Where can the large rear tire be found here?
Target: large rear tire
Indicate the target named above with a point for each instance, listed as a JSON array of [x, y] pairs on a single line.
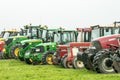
[[47, 57], [14, 50], [77, 64], [102, 62]]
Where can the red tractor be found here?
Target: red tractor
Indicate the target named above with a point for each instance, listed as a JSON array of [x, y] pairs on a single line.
[[62, 50], [70, 60], [95, 57]]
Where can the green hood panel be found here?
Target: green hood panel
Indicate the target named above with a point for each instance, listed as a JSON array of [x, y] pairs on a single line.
[[31, 40], [19, 37]]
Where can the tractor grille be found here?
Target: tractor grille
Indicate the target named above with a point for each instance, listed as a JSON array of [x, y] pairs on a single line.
[[8, 41], [97, 45]]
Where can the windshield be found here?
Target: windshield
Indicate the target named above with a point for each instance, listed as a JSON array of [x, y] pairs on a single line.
[[95, 34], [116, 30], [57, 37], [107, 31], [6, 35]]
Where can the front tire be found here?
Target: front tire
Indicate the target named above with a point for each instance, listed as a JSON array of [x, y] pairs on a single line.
[[14, 50], [47, 57], [77, 64], [65, 63]]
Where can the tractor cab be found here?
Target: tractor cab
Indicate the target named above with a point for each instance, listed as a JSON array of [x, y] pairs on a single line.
[[7, 33]]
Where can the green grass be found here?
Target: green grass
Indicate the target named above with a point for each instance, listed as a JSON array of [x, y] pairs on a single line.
[[17, 70]]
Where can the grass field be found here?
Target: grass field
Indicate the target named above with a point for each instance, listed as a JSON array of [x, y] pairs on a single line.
[[17, 70]]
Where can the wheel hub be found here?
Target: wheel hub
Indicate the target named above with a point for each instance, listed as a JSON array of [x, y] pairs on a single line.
[[49, 59], [16, 51]]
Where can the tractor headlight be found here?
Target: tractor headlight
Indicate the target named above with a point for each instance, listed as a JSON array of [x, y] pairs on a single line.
[[37, 50]]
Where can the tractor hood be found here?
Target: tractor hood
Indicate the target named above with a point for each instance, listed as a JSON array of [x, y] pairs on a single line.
[[101, 42], [19, 37], [46, 44], [2, 39], [31, 40]]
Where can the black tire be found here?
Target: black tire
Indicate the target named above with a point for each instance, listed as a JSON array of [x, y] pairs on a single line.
[[34, 62], [102, 62], [77, 64], [47, 57], [55, 59], [20, 58], [28, 61], [65, 63], [1, 55], [88, 61], [14, 50], [116, 66]]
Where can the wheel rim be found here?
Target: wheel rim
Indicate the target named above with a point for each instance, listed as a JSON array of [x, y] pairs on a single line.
[[79, 64], [49, 59], [16, 51], [107, 66], [69, 64], [30, 60]]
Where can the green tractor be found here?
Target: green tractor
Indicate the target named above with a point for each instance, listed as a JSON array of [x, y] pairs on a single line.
[[12, 44], [42, 53], [27, 44]]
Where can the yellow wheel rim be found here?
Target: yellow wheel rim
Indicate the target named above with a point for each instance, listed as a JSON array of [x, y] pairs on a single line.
[[16, 51], [30, 60], [49, 59]]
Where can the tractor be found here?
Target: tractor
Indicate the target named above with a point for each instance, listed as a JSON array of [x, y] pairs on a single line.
[[70, 60], [42, 53], [3, 36], [91, 55], [27, 44], [12, 44], [62, 50], [97, 57]]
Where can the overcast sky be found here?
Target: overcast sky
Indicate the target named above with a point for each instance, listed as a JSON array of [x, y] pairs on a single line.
[[54, 13]]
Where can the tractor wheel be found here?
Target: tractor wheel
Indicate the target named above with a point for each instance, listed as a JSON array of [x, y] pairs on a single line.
[[77, 63], [28, 61], [2, 55], [34, 62], [65, 63], [55, 59], [87, 61], [21, 58], [14, 50], [116, 64], [47, 57], [103, 63]]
